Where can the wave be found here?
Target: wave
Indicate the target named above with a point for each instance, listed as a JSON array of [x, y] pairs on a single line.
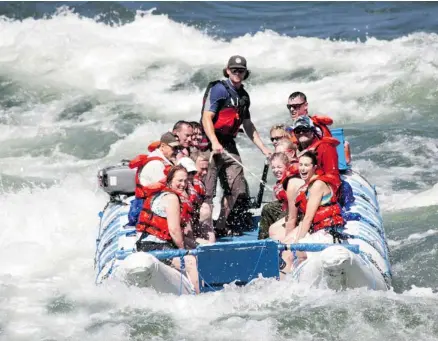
[[156, 62], [75, 89]]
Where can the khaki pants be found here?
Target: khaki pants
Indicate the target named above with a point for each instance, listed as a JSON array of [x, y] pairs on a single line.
[[231, 177]]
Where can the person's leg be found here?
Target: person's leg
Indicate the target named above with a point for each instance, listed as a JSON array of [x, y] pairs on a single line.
[[204, 225], [215, 166], [276, 230], [191, 269], [211, 178], [271, 212], [234, 188], [189, 237]]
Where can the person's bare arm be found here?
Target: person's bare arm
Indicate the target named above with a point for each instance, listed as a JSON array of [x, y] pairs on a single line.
[[173, 211], [207, 123], [253, 134], [293, 186], [315, 196]]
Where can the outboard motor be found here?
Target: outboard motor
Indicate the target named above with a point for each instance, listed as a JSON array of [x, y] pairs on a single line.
[[117, 180]]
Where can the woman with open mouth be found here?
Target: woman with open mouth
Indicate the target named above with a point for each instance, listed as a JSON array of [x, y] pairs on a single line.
[[317, 204]]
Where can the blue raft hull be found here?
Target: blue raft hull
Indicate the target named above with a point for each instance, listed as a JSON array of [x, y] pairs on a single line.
[[362, 261]]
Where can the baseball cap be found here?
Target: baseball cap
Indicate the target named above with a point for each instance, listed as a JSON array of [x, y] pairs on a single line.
[[188, 164], [236, 62], [303, 122], [170, 139]]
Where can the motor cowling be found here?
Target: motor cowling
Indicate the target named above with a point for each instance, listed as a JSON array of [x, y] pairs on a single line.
[[118, 179]]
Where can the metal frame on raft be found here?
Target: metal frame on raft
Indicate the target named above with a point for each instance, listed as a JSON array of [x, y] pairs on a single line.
[[241, 262]]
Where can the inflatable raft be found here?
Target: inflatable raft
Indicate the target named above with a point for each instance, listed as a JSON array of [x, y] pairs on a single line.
[[361, 260]]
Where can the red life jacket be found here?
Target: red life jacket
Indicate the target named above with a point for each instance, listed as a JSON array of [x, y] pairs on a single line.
[[293, 170], [281, 186], [199, 190], [155, 225], [229, 118], [328, 215], [322, 122], [204, 144], [139, 162], [279, 191], [336, 180]]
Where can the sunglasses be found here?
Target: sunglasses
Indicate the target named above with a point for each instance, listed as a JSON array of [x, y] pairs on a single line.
[[276, 138], [237, 71], [294, 106], [302, 131]]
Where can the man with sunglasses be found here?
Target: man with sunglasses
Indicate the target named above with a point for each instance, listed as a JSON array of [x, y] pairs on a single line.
[[298, 106], [324, 147], [225, 108]]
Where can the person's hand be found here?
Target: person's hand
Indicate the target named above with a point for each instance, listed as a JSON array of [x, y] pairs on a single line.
[[267, 152], [178, 156], [201, 241], [217, 148]]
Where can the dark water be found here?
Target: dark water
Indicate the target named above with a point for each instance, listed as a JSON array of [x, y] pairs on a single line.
[[85, 84], [350, 20]]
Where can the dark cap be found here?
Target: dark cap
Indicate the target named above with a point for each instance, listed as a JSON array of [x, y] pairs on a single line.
[[170, 139], [236, 62], [303, 122]]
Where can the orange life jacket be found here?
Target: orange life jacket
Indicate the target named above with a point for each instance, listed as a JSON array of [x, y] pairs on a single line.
[[155, 225], [154, 145], [139, 162], [328, 215]]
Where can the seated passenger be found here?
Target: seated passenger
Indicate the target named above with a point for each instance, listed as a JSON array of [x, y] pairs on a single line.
[[324, 148], [278, 133], [165, 213], [317, 204], [184, 131], [285, 189], [201, 230], [273, 211], [151, 169], [196, 141], [298, 106]]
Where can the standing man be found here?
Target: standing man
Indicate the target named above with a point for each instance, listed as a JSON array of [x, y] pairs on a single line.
[[225, 109]]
